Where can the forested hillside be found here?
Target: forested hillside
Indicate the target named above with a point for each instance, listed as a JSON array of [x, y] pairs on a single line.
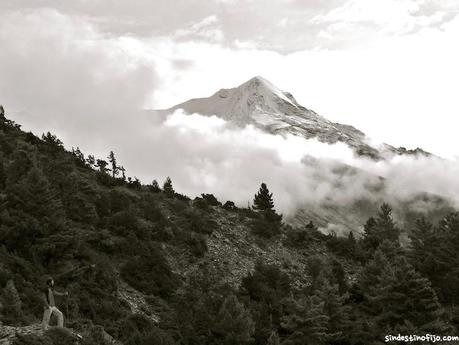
[[144, 264]]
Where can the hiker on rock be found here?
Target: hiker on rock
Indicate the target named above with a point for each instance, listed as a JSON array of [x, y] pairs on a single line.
[[50, 305]]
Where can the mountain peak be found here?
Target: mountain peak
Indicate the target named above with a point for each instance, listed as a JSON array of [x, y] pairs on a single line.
[[258, 102], [260, 85], [258, 79]]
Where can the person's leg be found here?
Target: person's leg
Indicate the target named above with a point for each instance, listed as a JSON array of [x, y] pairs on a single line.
[[46, 316], [60, 317]]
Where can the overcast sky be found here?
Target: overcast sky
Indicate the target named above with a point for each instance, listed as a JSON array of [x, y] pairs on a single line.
[[82, 68]]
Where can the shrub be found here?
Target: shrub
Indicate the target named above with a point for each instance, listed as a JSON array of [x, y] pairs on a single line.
[[150, 273], [211, 199]]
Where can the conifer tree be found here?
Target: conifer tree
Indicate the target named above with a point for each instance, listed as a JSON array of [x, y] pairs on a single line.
[[80, 160], [155, 186], [337, 312], [435, 254], [102, 165], [268, 222], [123, 172], [91, 161], [34, 195], [402, 295], [234, 324], [52, 140], [168, 188], [112, 159], [263, 200], [381, 228], [305, 321]]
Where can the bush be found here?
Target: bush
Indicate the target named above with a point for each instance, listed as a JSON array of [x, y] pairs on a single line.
[[201, 203], [211, 199], [303, 237], [264, 228], [197, 244], [150, 273], [230, 206]]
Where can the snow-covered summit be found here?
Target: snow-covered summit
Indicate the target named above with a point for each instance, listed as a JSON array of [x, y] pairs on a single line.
[[259, 102]]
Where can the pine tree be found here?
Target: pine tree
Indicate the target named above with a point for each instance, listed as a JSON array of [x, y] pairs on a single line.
[[78, 154], [381, 228], [91, 161], [337, 312], [34, 195], [234, 324], [168, 188], [123, 172], [155, 186], [102, 165], [263, 200], [435, 254], [112, 159], [268, 222], [402, 295], [52, 140], [305, 321]]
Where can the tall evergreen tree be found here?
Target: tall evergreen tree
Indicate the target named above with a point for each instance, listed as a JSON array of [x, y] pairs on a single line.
[[112, 159], [34, 195], [402, 295], [102, 165], [434, 253], [233, 324], [268, 222], [91, 161], [263, 200], [123, 172], [155, 187], [305, 321], [337, 312], [168, 188], [381, 228]]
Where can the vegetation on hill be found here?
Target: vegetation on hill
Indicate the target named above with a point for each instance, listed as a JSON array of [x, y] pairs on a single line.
[[103, 235]]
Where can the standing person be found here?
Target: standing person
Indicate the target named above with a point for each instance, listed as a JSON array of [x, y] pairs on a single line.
[[50, 305]]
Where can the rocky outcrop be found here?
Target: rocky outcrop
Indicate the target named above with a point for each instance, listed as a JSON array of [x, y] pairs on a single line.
[[8, 333], [136, 301]]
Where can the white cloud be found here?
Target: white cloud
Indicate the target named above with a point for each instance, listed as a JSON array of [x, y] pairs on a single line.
[[59, 73]]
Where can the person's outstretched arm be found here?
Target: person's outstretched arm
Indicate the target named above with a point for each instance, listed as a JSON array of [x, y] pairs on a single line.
[[57, 293]]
